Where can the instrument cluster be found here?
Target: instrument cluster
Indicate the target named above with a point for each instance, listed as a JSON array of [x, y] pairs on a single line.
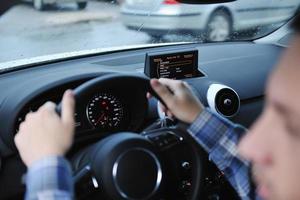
[[101, 112], [105, 111]]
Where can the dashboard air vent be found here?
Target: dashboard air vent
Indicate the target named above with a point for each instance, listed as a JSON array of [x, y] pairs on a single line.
[[223, 100]]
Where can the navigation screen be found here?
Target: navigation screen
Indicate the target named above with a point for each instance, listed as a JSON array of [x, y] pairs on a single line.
[[173, 65]]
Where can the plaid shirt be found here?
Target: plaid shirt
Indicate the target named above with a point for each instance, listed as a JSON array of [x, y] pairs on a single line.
[[219, 137], [51, 178]]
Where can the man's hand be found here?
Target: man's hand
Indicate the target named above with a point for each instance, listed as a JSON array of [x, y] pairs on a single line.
[[44, 133], [179, 99]]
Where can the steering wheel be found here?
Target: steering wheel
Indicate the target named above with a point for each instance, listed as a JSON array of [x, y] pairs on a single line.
[[165, 163]]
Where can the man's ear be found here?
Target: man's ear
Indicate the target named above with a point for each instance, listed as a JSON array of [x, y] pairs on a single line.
[[7, 4]]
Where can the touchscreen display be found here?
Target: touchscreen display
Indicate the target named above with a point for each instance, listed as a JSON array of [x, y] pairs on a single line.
[[173, 65]]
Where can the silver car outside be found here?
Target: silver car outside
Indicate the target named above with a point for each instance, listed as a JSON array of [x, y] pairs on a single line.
[[216, 22]]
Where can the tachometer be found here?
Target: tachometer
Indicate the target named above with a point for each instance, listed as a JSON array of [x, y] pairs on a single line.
[[105, 111]]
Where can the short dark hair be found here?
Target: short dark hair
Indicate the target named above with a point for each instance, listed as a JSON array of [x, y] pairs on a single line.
[[296, 23]]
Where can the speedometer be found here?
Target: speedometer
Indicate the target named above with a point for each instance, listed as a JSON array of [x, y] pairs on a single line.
[[105, 111]]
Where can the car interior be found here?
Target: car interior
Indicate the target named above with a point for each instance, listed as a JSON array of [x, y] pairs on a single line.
[[132, 150]]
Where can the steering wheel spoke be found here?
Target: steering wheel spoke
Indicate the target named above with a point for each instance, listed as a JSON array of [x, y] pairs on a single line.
[[164, 138]]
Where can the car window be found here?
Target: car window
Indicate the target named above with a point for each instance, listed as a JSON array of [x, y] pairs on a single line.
[[31, 28]]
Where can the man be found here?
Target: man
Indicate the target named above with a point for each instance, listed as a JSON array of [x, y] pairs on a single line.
[[272, 145]]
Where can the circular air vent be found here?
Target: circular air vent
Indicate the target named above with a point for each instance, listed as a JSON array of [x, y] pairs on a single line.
[[223, 100]]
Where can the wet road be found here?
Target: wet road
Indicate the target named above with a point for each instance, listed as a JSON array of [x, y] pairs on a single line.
[[26, 32]]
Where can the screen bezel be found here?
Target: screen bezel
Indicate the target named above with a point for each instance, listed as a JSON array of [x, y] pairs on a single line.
[[151, 71]]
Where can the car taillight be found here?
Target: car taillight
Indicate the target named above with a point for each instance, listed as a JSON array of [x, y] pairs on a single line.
[[170, 2]]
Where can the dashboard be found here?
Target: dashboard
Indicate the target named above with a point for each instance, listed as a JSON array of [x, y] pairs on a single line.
[[104, 111], [237, 71]]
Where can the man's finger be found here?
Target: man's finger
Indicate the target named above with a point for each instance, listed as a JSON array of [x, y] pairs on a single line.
[[46, 110], [162, 107], [49, 106], [149, 96], [173, 85], [28, 116], [68, 108], [170, 114], [17, 139], [164, 93]]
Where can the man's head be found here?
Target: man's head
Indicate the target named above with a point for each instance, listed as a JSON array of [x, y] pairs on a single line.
[[273, 143]]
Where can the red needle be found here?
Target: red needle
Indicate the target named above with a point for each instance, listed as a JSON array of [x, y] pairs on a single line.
[[100, 118]]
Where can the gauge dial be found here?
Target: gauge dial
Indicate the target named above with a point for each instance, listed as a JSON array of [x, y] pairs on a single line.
[[105, 111]]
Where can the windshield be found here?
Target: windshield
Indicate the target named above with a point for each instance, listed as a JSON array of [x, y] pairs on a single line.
[[32, 28]]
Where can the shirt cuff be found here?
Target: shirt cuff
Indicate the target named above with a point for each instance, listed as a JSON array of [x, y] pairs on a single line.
[[208, 128], [52, 173]]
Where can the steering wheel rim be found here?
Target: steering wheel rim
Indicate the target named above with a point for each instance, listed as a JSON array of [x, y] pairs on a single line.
[[100, 83]]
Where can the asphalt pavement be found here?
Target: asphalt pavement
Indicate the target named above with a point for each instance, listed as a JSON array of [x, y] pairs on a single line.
[[26, 32]]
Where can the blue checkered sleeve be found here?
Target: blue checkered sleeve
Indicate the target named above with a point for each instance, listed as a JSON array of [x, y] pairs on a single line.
[[219, 137], [49, 179]]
